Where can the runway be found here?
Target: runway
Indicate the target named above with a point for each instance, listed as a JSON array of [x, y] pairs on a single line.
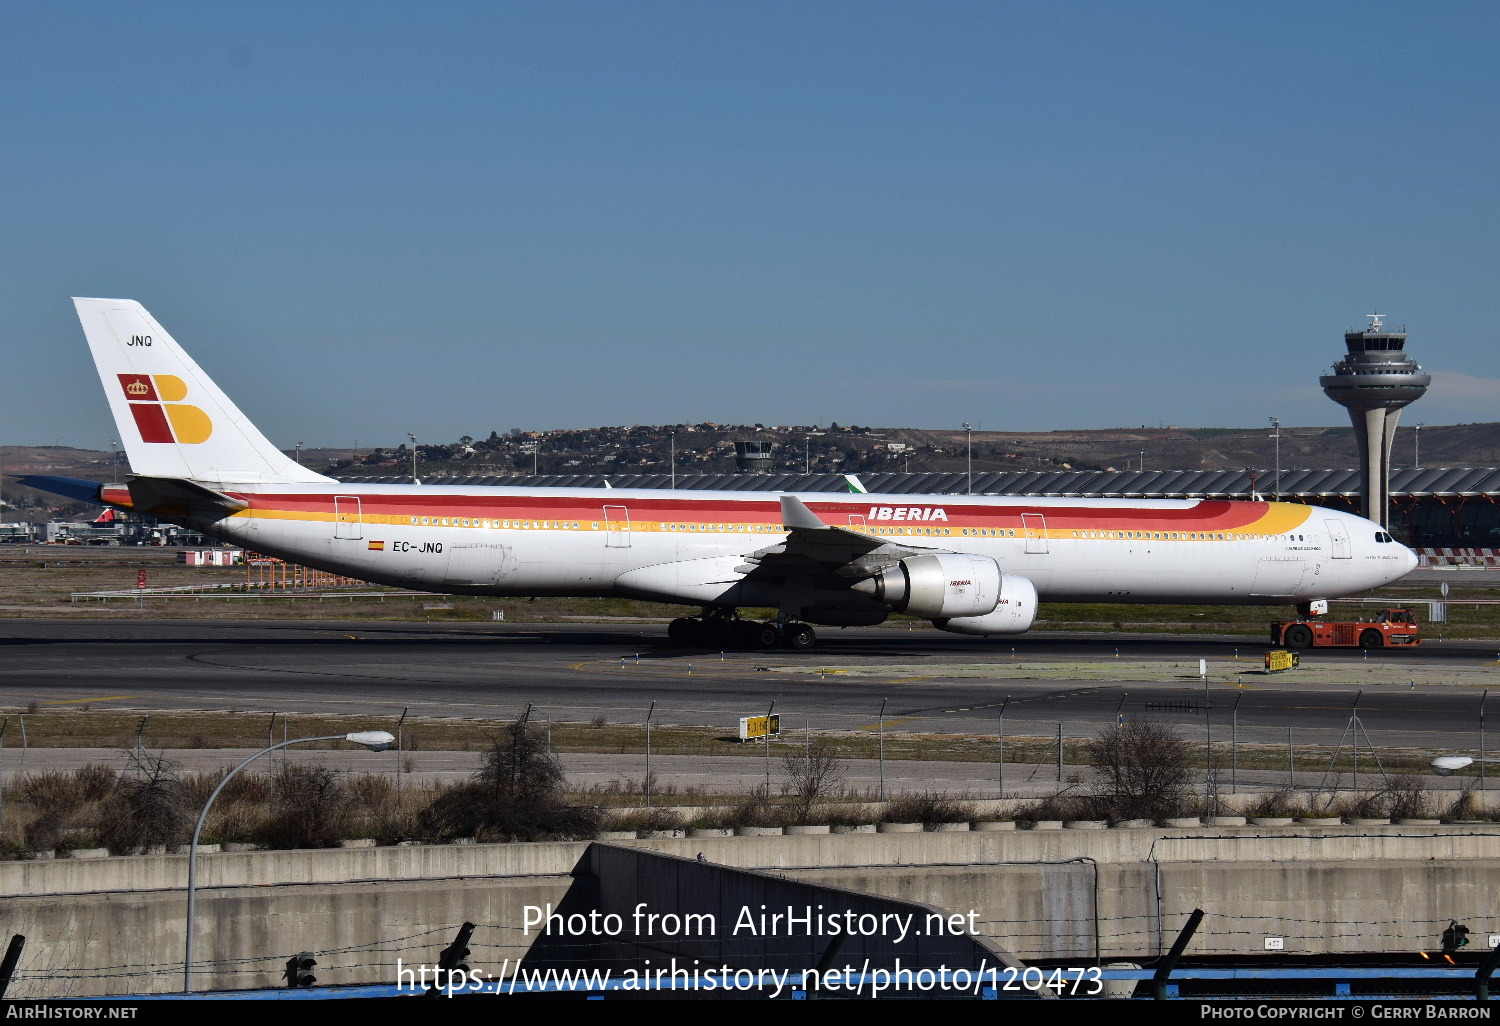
[[929, 681]]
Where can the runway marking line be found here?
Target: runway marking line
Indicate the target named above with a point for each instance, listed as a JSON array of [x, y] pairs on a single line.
[[75, 701]]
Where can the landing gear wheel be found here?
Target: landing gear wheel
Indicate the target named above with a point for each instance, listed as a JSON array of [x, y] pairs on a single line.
[[765, 635], [687, 631], [1299, 635], [1371, 639], [800, 637]]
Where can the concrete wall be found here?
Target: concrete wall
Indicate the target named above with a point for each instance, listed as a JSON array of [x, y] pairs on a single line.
[[116, 925]]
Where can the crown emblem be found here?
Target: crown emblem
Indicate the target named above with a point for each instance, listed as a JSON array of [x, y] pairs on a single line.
[[137, 388]]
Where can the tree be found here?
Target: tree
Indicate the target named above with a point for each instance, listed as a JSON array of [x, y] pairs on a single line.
[[310, 810], [1142, 769], [518, 794], [149, 810], [813, 774], [520, 764]]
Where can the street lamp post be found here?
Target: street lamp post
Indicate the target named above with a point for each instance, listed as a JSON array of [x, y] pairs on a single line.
[[969, 455], [1416, 456], [1276, 482], [413, 457], [374, 740]]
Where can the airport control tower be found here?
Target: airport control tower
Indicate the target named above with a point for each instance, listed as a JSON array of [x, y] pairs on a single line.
[[1374, 380]]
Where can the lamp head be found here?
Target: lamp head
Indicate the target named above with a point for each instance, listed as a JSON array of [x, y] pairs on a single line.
[[1446, 765], [374, 740]]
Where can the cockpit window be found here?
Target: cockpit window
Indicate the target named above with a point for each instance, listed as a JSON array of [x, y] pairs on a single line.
[[1382, 537]]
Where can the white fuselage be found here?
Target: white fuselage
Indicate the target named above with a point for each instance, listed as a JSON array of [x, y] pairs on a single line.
[[690, 546]]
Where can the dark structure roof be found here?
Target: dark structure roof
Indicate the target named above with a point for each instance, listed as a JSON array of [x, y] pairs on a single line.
[[1108, 484]]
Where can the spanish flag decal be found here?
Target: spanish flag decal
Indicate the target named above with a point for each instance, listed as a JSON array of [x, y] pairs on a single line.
[[158, 415], [377, 546]]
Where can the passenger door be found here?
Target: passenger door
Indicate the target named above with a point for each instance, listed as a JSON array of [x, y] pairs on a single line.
[[617, 527], [1034, 527], [1338, 536], [348, 518]]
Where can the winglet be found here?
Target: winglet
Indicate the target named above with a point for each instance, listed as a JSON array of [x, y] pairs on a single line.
[[795, 515]]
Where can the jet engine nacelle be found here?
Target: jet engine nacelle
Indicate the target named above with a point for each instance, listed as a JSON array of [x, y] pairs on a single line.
[[1013, 614], [943, 584]]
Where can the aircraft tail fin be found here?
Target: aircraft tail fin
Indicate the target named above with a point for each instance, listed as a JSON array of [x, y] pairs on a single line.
[[173, 420]]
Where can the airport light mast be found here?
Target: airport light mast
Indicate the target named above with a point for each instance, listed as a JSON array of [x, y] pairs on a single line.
[[1373, 381]]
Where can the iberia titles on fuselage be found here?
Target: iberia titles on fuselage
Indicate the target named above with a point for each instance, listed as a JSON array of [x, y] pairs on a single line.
[[971, 564]]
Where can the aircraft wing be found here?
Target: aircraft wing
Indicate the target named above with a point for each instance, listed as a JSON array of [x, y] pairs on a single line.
[[818, 549]]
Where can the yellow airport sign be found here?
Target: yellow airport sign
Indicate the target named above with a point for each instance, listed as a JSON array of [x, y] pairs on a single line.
[[753, 728], [1280, 659]]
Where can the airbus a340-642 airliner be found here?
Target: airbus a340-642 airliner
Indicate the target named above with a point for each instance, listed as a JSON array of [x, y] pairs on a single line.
[[973, 565]]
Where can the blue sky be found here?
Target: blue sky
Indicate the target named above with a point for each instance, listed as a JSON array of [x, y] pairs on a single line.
[[371, 218]]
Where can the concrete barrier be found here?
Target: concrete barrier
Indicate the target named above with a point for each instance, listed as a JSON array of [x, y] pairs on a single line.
[[1385, 889]]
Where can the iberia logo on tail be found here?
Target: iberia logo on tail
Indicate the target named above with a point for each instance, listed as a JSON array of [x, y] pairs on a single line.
[[159, 415]]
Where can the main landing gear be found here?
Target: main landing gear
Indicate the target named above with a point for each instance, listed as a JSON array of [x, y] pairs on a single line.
[[726, 631]]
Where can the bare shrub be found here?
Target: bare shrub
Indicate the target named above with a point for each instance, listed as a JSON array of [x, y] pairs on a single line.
[[1361, 805], [756, 809], [928, 807], [47, 830], [1282, 804], [150, 808], [1408, 798], [234, 821], [15, 851], [381, 809], [1061, 807], [1141, 770], [645, 819], [58, 791], [518, 794], [1402, 797], [310, 810], [372, 791], [249, 787], [848, 815], [95, 782], [813, 775], [1465, 806]]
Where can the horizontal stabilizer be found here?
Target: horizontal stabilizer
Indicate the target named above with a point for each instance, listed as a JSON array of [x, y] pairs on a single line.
[[71, 487], [165, 497]]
